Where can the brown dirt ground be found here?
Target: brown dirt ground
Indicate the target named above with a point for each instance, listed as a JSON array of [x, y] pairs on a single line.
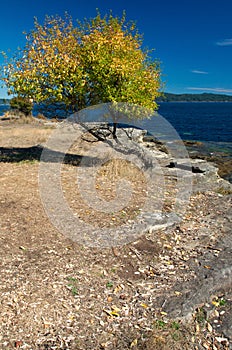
[[56, 294]]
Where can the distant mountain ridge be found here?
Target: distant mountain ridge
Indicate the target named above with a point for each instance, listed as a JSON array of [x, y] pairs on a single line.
[[204, 97], [169, 97]]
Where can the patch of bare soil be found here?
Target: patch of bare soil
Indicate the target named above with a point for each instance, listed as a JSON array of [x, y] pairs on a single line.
[[57, 294]]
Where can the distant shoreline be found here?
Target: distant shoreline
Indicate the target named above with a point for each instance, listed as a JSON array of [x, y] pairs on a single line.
[[171, 97], [204, 97], [194, 101]]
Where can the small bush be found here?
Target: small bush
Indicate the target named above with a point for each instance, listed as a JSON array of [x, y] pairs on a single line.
[[21, 104]]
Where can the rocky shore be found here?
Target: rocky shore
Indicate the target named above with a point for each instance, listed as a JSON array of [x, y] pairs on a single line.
[[218, 154]]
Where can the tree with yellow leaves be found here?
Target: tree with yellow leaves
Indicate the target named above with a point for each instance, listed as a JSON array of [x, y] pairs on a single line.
[[97, 61]]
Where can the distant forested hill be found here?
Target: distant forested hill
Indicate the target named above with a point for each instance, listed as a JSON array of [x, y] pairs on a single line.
[[168, 97], [205, 97]]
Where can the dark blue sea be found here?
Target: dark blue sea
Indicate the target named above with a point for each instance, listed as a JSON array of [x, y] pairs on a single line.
[[207, 122], [200, 121]]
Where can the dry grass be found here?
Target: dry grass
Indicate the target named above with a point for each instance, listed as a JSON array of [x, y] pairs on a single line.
[[120, 168], [23, 134]]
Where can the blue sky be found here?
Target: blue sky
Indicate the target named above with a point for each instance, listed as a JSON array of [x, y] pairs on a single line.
[[191, 38]]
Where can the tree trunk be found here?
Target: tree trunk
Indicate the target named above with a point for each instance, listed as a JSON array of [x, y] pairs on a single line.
[[114, 130]]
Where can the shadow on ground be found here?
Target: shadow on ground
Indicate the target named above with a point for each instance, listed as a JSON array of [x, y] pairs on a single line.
[[30, 154]]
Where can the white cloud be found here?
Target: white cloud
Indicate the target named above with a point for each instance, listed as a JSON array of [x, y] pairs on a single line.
[[219, 90], [225, 42], [199, 71]]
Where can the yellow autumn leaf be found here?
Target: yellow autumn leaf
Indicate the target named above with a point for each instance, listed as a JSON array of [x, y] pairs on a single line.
[[117, 289], [215, 303], [144, 305], [177, 293], [134, 343], [114, 313], [115, 308]]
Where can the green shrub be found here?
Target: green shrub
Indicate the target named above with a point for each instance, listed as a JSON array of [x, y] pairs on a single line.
[[21, 104]]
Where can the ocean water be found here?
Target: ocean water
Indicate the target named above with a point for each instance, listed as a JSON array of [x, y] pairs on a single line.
[[200, 121], [3, 109]]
